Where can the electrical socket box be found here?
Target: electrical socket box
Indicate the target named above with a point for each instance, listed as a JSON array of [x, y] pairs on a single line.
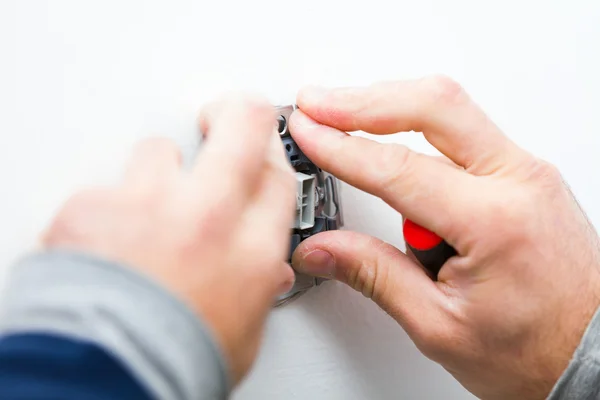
[[318, 204]]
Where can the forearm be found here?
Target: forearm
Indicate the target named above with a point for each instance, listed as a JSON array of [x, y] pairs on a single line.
[[106, 316], [581, 379]]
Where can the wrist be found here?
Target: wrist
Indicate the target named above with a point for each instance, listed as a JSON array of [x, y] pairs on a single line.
[[566, 340], [581, 376]]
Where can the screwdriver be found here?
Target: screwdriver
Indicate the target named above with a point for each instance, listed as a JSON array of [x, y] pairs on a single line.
[[428, 248]]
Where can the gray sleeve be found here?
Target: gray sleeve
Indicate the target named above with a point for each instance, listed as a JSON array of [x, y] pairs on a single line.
[[164, 344], [581, 379]]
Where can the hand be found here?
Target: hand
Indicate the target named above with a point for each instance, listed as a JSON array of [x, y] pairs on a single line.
[[216, 235], [508, 312]]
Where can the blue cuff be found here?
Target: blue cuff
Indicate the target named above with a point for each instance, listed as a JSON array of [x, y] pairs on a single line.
[[155, 335]]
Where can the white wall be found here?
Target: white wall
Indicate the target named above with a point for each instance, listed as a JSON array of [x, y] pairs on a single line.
[[80, 81]]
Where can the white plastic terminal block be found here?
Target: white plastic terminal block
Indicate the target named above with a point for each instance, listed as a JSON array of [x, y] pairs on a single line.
[[305, 201]]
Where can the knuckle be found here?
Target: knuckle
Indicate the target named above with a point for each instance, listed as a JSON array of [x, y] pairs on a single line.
[[258, 115], [516, 202], [205, 226], [244, 105], [370, 275], [441, 90], [546, 173], [252, 104], [380, 288], [362, 278], [66, 226], [503, 218]]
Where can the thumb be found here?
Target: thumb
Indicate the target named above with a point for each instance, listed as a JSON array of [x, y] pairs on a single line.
[[379, 271]]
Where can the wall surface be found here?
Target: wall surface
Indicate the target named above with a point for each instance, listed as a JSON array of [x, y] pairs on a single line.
[[80, 81]]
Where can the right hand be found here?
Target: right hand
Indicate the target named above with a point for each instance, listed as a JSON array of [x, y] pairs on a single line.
[[507, 313]]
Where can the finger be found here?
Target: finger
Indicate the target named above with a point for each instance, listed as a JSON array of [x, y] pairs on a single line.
[[275, 202], [153, 159], [379, 271], [269, 215], [442, 160], [436, 106], [287, 277], [418, 187], [237, 138]]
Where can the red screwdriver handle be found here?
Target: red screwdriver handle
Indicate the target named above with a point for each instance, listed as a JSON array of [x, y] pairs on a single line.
[[428, 248]]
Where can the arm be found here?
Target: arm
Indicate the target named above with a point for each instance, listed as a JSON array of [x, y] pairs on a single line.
[[158, 286], [507, 313], [72, 322]]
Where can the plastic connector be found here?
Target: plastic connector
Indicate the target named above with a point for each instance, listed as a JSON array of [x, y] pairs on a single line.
[[305, 201]]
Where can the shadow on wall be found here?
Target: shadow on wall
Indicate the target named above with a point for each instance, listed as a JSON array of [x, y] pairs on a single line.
[[378, 356], [332, 343], [370, 345]]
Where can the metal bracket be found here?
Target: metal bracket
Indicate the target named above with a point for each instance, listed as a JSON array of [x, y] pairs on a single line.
[[328, 208]]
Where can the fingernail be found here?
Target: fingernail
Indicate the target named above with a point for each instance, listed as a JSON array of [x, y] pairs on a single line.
[[318, 263]]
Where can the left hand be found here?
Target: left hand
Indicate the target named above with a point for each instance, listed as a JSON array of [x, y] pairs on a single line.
[[216, 235]]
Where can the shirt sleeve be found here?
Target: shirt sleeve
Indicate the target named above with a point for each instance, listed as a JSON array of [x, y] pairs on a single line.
[[581, 379], [76, 314]]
